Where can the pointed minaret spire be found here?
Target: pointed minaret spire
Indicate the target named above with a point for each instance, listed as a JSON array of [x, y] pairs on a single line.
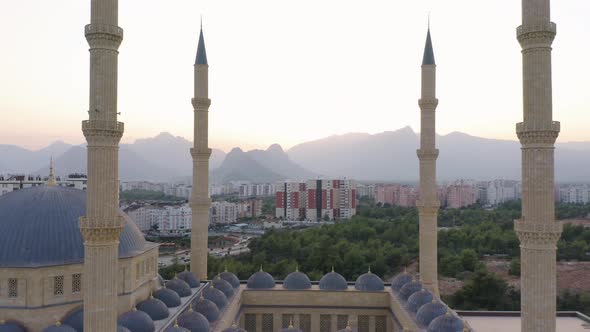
[[51, 180], [201, 52], [428, 58]]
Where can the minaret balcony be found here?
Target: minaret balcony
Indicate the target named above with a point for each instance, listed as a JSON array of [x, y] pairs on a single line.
[[102, 128], [522, 127], [543, 34]]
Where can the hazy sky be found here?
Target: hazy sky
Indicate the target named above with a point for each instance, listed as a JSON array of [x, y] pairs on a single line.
[[286, 71]]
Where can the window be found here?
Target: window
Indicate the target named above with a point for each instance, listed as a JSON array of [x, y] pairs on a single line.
[[363, 323], [287, 319], [325, 323], [58, 285], [250, 322], [76, 283], [12, 287], [341, 322], [380, 324], [305, 322], [267, 322]]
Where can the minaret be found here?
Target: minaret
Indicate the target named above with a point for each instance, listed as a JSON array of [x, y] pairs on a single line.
[[428, 203], [51, 179], [102, 224], [537, 229], [200, 201]]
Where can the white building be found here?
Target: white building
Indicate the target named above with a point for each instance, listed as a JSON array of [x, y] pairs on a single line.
[[9, 182], [579, 194], [223, 213]]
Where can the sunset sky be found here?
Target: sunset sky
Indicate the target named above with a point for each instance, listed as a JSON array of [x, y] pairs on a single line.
[[286, 71]]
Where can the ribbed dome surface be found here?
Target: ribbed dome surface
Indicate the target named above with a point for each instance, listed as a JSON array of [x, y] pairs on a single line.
[[136, 321], [75, 319], [231, 278], [189, 278], [428, 312], [11, 326], [193, 321], [369, 282], [296, 281], [409, 289], [168, 296], [418, 299], [155, 308], [223, 286], [59, 328], [206, 307], [291, 329], [333, 281], [400, 280], [179, 286], [446, 323], [216, 296], [40, 227], [261, 280]]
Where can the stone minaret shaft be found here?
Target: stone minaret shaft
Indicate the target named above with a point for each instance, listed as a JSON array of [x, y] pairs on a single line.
[[428, 203], [201, 152], [537, 229], [102, 224]]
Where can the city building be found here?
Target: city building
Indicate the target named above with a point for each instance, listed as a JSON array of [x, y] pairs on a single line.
[[396, 194], [460, 195], [9, 183], [250, 208], [578, 194], [223, 213]]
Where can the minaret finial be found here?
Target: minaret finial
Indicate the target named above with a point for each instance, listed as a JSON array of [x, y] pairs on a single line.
[[261, 268], [428, 21], [202, 22], [51, 179]]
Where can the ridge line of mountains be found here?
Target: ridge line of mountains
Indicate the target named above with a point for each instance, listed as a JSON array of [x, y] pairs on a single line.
[[387, 156]]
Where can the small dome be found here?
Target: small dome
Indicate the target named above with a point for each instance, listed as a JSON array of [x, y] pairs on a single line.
[[231, 278], [261, 280], [400, 280], [137, 321], [409, 289], [122, 329], [291, 329], [179, 286], [11, 326], [234, 328], [428, 312], [216, 296], [296, 281], [168, 296], [348, 329], [59, 327], [176, 328], [418, 299], [155, 308], [193, 321], [333, 281], [446, 323], [207, 308], [369, 282], [189, 278], [223, 286], [75, 319]]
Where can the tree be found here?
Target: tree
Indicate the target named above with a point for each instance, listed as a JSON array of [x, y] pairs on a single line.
[[514, 267], [469, 259], [485, 291]]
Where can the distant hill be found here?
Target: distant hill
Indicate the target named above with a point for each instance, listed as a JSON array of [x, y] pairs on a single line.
[[17, 159]]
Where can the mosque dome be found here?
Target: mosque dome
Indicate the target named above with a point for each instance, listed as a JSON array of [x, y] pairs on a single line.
[[176, 328], [297, 281], [261, 280], [400, 280], [223, 286], [418, 299], [155, 308], [333, 281], [234, 328], [179, 286], [446, 323], [11, 326], [231, 278], [207, 308], [193, 321], [59, 327], [369, 282], [409, 289], [136, 321], [74, 319], [428, 312], [168, 296], [40, 227], [189, 278], [122, 329], [216, 296]]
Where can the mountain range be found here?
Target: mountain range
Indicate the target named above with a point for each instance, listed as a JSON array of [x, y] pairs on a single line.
[[387, 156]]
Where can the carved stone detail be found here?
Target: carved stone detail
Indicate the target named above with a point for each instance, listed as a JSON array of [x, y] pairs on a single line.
[[103, 36], [538, 235], [428, 103], [201, 103]]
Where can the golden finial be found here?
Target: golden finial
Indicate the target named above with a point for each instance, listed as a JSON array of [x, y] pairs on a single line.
[[291, 323], [51, 180], [134, 309], [190, 307], [225, 268], [176, 323], [57, 323], [369, 269], [297, 268], [332, 268], [234, 325], [261, 268], [151, 295], [348, 328]]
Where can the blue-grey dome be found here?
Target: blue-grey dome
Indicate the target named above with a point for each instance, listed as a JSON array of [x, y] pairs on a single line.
[[297, 280], [231, 278], [137, 321], [428, 312], [193, 321], [446, 323], [333, 281], [216, 296], [206, 307], [223, 286], [11, 326], [409, 289], [400, 280], [168, 296], [348, 329], [261, 280], [122, 329], [369, 282], [179, 286], [59, 328], [234, 328], [176, 328], [75, 319], [40, 227], [189, 278], [291, 329], [418, 299], [155, 308]]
